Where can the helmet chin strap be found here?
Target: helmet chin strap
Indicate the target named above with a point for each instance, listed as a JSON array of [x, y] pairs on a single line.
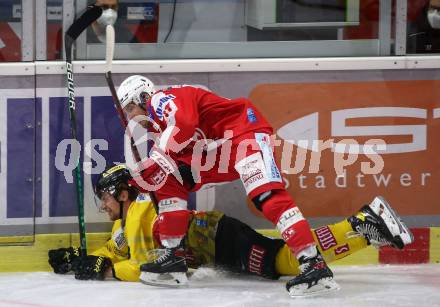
[[121, 207], [121, 204]]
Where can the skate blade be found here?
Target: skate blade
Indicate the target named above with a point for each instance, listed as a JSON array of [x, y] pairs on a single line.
[[405, 234], [168, 280], [323, 287]]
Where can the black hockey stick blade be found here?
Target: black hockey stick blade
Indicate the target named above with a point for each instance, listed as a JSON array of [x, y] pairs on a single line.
[[90, 15], [78, 26]]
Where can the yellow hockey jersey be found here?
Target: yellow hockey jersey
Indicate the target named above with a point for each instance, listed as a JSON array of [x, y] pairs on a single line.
[[127, 248]]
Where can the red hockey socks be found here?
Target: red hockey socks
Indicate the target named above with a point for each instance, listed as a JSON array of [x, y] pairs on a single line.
[[294, 228], [172, 221]]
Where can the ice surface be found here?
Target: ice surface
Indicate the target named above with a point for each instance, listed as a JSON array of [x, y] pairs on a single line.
[[415, 285]]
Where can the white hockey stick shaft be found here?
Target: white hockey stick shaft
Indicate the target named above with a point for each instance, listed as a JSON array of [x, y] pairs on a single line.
[[109, 47]]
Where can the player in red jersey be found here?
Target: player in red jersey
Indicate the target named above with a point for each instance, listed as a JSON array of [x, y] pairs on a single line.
[[198, 139]]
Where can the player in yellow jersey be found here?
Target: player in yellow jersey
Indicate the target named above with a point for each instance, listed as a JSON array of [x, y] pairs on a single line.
[[214, 238]]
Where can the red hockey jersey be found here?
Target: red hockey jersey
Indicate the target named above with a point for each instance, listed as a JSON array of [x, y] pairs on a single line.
[[187, 113]]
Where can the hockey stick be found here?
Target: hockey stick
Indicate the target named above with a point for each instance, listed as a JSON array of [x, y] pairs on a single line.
[[109, 51], [71, 35]]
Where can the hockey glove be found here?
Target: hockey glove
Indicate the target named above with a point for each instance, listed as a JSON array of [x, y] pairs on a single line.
[[154, 171], [92, 267], [62, 260]]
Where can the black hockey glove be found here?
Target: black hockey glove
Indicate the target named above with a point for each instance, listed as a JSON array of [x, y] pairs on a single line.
[[63, 260], [92, 267]]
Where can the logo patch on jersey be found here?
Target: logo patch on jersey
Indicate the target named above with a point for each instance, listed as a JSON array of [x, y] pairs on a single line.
[[256, 257], [342, 249], [251, 116], [201, 223], [325, 238], [252, 172], [119, 239], [264, 142], [141, 198], [161, 103]]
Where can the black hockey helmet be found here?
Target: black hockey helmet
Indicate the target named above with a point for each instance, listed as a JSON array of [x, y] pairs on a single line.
[[112, 181]]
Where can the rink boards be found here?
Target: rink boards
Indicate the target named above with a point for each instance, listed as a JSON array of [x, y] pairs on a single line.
[[33, 257], [36, 199]]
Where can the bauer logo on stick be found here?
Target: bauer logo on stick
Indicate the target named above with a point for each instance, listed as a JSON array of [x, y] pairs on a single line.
[[70, 86]]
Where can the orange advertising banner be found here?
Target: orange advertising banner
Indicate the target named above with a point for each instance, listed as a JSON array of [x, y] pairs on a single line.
[[394, 131]]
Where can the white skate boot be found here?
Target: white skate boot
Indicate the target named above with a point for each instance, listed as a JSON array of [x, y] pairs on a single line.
[[380, 225]]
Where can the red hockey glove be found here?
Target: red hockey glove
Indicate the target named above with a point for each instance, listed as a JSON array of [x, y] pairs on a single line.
[[154, 171]]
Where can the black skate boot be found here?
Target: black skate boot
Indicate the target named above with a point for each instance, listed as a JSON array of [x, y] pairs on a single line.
[[380, 225], [167, 269], [315, 278]]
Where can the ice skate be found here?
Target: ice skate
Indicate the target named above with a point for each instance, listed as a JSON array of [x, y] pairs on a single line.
[[315, 278], [380, 225], [166, 270]]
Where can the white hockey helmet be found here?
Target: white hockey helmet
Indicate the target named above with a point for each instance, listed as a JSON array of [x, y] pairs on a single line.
[[137, 89]]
